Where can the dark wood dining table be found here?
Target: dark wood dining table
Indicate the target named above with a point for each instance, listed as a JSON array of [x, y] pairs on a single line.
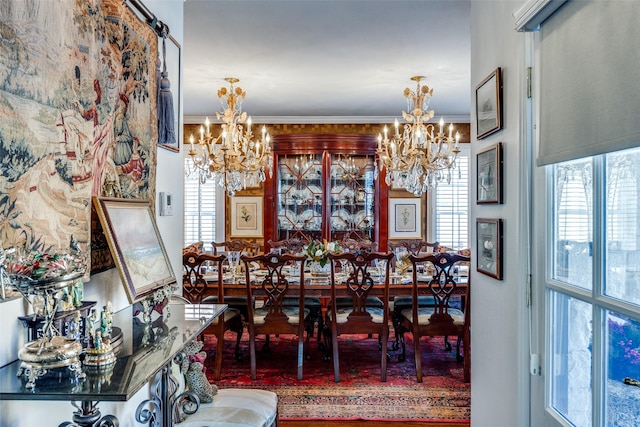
[[398, 286]]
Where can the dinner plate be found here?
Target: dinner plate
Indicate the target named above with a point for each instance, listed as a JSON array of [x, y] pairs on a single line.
[[338, 223], [336, 192]]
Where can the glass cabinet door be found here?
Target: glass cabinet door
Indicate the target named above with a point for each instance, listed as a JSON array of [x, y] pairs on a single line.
[[352, 197], [299, 196]]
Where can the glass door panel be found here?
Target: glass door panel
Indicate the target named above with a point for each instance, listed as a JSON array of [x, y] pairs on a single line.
[[623, 376], [352, 197], [299, 196], [571, 359]]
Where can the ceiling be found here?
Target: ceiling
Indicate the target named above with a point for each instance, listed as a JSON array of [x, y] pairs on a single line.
[[326, 60]]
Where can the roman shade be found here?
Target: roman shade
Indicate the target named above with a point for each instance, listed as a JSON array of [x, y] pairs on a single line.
[[589, 79]]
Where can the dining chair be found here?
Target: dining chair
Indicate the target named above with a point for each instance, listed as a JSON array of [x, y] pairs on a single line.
[[440, 319], [197, 289], [359, 317], [293, 245], [243, 246], [314, 305], [403, 302], [352, 245], [272, 284]]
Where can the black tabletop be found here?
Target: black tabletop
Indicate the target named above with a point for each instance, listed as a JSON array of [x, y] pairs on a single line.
[[146, 348]]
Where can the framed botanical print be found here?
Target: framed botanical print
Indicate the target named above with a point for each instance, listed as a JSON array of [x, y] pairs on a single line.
[[489, 175], [246, 216], [405, 218]]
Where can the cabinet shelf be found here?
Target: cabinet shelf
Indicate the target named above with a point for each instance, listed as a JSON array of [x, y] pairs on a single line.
[[323, 188]]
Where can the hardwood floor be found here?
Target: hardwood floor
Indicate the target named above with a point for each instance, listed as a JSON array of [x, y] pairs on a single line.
[[321, 423]]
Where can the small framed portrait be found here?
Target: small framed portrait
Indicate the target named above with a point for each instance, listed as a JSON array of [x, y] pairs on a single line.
[[489, 104], [489, 247], [489, 175]]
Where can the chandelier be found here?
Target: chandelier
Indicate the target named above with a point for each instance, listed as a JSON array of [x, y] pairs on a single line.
[[232, 159], [418, 158]]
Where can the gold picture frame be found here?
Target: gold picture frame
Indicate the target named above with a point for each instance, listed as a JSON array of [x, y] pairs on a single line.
[[246, 216], [136, 246]]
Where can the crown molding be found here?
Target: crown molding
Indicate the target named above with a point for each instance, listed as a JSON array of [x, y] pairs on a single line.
[[534, 12], [190, 120]]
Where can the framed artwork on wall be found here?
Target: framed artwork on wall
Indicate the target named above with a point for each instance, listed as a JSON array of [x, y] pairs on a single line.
[[489, 175], [489, 104], [405, 218], [136, 246], [489, 247], [246, 216]]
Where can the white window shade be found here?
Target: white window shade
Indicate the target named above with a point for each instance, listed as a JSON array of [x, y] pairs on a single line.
[[590, 72]]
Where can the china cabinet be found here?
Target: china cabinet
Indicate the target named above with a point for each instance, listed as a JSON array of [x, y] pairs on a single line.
[[324, 187]]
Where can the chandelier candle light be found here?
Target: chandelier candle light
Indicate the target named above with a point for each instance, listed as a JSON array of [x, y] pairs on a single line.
[[418, 158], [233, 159]]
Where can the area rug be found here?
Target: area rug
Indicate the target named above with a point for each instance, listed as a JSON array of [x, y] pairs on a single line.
[[443, 396]]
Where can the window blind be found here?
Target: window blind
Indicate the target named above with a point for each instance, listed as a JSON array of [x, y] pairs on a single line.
[[589, 71], [452, 207], [199, 210]]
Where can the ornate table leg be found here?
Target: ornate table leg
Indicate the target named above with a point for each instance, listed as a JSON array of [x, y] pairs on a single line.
[[164, 406], [88, 415]]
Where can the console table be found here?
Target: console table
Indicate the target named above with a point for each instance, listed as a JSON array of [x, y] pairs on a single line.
[[147, 349]]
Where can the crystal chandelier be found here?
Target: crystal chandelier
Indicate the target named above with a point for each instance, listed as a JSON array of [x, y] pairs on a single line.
[[419, 158], [233, 159]]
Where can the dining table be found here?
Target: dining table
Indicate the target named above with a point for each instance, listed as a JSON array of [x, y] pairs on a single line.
[[320, 286]]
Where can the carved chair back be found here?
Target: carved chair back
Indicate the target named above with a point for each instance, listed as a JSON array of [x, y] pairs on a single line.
[[194, 286]]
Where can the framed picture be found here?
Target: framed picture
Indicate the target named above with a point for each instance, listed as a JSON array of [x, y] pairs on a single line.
[[246, 216], [136, 246], [489, 175], [489, 104], [405, 218], [489, 247], [173, 74]]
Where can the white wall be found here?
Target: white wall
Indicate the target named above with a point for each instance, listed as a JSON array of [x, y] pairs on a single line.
[[105, 286], [499, 383]]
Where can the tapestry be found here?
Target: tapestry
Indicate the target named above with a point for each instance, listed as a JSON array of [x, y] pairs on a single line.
[[77, 116]]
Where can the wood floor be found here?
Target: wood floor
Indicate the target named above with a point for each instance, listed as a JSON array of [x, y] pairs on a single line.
[[320, 423]]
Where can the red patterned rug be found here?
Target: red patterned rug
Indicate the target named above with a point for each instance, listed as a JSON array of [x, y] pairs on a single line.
[[443, 396]]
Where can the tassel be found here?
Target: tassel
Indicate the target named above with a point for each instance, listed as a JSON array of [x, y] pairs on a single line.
[[166, 132]]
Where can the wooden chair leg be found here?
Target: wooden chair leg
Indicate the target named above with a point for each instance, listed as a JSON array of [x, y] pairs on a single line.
[[219, 349], [385, 356], [418, 356], [252, 353], [301, 345], [336, 361]]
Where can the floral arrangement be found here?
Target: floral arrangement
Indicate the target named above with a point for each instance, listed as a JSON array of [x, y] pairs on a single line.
[[317, 251]]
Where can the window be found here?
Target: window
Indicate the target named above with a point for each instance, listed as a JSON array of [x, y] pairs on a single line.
[[593, 296], [451, 205], [199, 210]]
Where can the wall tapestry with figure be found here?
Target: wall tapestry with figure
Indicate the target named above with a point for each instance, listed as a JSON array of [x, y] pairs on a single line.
[[78, 108]]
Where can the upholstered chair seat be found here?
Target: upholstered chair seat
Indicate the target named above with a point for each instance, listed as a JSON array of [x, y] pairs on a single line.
[[231, 407], [424, 315]]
